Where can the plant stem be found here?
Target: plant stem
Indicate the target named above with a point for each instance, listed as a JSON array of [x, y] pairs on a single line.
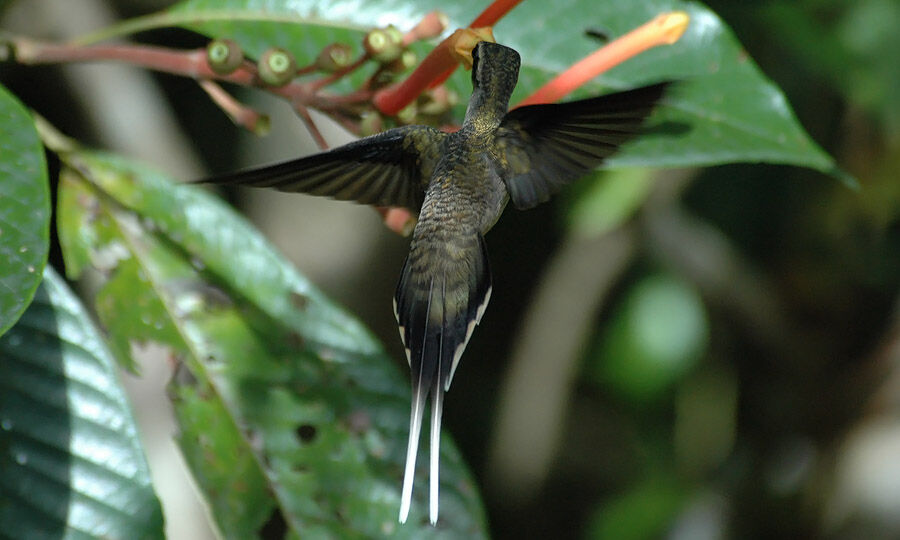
[[188, 63], [191, 64], [240, 114], [337, 75], [303, 113]]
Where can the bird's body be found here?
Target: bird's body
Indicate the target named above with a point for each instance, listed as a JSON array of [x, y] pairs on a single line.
[[459, 184], [445, 283]]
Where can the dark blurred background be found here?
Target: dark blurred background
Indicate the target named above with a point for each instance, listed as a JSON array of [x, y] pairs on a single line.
[[723, 362]]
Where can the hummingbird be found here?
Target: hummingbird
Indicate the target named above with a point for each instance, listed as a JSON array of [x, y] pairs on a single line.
[[458, 184]]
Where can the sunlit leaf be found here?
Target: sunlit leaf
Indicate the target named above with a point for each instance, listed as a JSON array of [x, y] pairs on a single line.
[[71, 463]]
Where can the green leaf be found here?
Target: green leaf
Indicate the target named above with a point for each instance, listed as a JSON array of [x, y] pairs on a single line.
[[856, 46], [604, 200], [724, 111], [84, 233], [292, 416], [24, 210], [71, 463], [658, 334], [645, 511]]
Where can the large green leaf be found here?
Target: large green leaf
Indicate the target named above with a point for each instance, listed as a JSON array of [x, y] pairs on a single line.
[[71, 464], [24, 210], [292, 416], [731, 111]]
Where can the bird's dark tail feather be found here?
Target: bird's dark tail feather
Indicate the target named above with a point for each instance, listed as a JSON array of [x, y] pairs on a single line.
[[443, 290]]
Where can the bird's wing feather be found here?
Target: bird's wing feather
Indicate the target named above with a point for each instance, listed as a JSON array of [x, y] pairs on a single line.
[[443, 290], [544, 147], [391, 168]]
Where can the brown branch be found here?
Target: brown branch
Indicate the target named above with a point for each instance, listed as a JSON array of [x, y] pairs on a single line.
[[239, 113], [191, 64], [303, 113], [318, 84]]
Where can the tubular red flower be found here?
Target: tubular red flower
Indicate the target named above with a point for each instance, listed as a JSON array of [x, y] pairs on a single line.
[[665, 29], [449, 52], [488, 17], [494, 13], [432, 25]]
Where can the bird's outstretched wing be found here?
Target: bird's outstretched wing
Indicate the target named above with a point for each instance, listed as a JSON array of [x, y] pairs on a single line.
[[444, 288], [544, 147], [391, 168]]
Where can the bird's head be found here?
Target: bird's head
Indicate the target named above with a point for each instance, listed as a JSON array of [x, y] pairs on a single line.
[[495, 70]]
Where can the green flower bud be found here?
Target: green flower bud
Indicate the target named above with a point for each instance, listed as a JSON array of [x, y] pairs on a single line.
[[380, 46], [394, 35], [334, 57], [408, 114], [370, 123], [224, 56], [276, 67], [406, 62]]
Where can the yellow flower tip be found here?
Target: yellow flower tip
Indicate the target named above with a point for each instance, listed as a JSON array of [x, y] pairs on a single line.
[[464, 40], [671, 26]]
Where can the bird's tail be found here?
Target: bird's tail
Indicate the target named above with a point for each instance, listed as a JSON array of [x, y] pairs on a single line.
[[420, 395], [443, 290]]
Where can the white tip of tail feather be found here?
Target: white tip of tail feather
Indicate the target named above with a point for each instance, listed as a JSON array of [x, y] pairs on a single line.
[[435, 450], [415, 428]]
